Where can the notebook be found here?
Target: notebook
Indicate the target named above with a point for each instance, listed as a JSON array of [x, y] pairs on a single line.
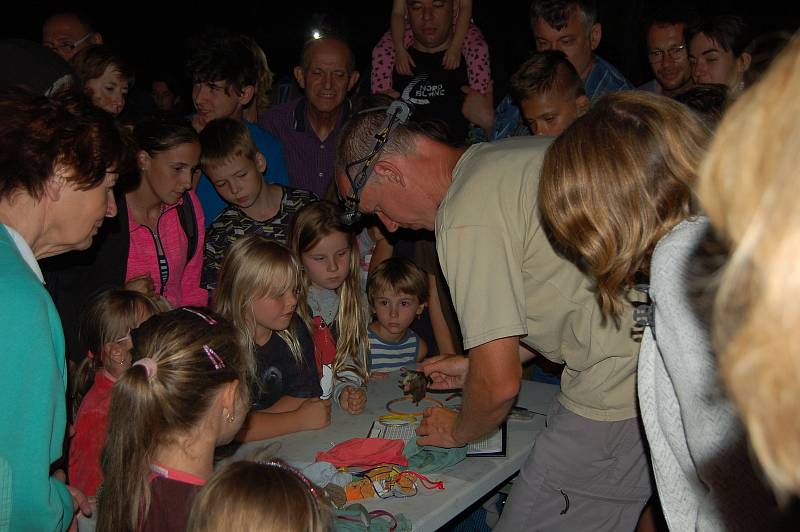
[[493, 444]]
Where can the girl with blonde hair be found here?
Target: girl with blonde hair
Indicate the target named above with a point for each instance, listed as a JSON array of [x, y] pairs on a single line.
[[263, 496], [748, 186], [185, 394], [257, 291], [332, 303], [616, 194]]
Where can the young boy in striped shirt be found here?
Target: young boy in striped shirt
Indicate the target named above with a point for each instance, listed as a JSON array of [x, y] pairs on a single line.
[[397, 292]]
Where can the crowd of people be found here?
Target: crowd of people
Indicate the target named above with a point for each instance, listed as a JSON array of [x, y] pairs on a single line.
[[175, 280]]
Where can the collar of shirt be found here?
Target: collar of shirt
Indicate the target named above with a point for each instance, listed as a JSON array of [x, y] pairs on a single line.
[[26, 252], [299, 115]]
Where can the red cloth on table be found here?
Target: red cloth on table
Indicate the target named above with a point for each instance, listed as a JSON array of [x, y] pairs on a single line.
[[364, 452]]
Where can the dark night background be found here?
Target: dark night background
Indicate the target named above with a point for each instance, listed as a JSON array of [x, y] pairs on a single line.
[[152, 34]]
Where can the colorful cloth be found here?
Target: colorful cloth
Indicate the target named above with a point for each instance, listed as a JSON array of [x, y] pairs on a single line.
[[364, 452]]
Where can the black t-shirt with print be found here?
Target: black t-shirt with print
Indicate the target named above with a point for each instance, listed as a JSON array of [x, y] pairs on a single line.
[[279, 374], [435, 92]]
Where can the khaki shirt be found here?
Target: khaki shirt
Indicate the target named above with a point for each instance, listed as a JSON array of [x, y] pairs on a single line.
[[506, 280]]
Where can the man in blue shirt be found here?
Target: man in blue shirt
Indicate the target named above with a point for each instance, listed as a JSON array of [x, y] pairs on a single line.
[[569, 26], [224, 73]]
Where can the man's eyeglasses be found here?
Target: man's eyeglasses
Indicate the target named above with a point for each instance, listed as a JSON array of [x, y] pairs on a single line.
[[358, 171], [66, 46], [676, 52]]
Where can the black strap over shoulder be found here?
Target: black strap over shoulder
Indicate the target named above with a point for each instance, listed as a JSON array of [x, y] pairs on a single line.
[[188, 220]]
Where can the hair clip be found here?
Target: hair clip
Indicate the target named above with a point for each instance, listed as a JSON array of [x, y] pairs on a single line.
[[207, 319], [213, 357], [149, 365]]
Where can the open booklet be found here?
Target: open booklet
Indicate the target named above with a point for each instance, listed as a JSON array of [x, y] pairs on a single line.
[[493, 444]]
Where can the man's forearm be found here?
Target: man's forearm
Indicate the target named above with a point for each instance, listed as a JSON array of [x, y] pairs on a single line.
[[490, 389]]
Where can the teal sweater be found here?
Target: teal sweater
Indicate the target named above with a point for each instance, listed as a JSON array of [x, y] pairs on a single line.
[[33, 383]]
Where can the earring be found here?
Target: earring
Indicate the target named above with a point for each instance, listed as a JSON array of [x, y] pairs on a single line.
[[230, 418]]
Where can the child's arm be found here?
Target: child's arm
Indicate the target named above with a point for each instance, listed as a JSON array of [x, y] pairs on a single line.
[[349, 392], [402, 60], [452, 58], [423, 350], [287, 403], [313, 413]]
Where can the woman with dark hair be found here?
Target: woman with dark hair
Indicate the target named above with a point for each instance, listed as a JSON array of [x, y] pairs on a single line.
[[59, 160], [718, 51], [104, 77], [155, 245]]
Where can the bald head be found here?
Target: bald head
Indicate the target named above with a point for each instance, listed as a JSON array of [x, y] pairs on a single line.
[[331, 44], [68, 33]]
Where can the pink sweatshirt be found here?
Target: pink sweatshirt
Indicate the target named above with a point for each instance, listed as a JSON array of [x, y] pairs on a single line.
[[183, 281]]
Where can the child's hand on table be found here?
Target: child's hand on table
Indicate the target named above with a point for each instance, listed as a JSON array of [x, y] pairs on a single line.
[[315, 413], [353, 400]]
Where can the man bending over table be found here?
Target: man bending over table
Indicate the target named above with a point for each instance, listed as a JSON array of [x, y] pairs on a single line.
[[588, 468]]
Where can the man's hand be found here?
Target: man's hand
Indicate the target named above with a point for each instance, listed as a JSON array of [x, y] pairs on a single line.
[[437, 428], [479, 108], [446, 372], [403, 62], [353, 400]]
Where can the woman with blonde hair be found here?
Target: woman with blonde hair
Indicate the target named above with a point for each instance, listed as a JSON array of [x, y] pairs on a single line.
[[616, 194], [748, 186]]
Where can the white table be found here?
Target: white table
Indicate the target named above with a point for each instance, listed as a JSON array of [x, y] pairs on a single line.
[[468, 482]]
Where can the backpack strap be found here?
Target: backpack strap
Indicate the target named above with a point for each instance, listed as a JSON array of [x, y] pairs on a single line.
[[188, 220]]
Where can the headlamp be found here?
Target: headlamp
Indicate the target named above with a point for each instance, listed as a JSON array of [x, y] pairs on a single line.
[[358, 171]]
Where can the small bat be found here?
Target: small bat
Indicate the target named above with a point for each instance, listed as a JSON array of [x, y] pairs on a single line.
[[414, 383]]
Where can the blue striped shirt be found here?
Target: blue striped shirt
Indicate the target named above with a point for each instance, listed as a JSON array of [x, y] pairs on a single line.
[[390, 356]]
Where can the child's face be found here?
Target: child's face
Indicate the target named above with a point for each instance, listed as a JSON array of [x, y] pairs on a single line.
[[274, 313], [118, 353], [328, 263], [549, 114], [395, 312], [239, 180]]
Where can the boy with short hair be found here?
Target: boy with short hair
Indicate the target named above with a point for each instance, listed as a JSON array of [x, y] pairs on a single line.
[[224, 76], [398, 292], [549, 93], [235, 167]]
